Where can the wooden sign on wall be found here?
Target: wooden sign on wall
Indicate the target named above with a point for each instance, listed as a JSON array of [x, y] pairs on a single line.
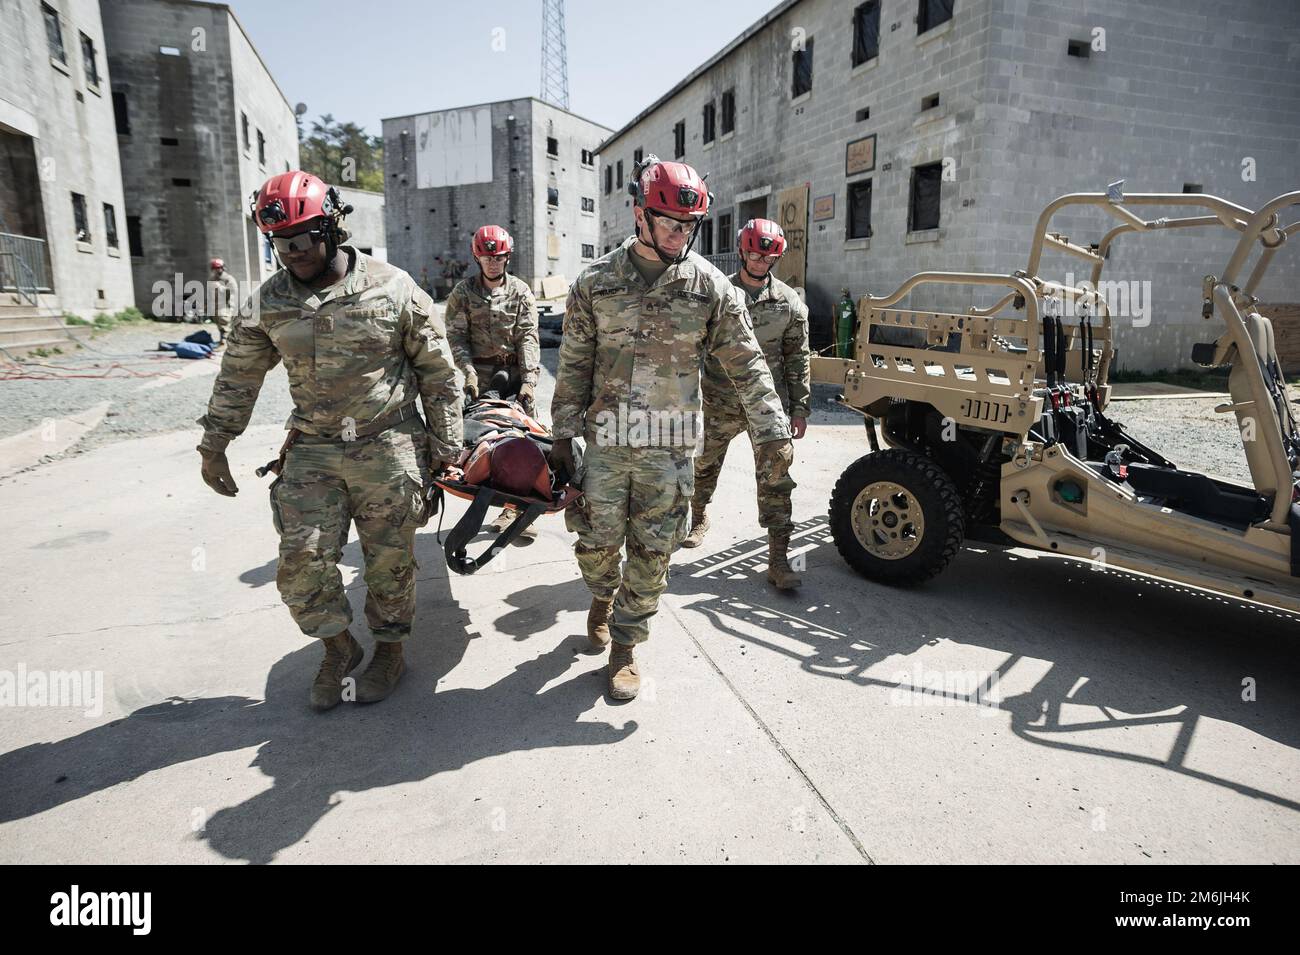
[[792, 217]]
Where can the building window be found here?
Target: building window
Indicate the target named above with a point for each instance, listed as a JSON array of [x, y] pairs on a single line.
[[637, 155], [866, 32], [588, 157], [923, 208], [607, 248], [120, 114], [802, 71], [88, 60], [706, 237], [728, 111], [679, 140], [133, 240], [1079, 48], [552, 146], [266, 251], [553, 197], [931, 13], [619, 176], [724, 233], [261, 149], [588, 204], [54, 33], [79, 218], [609, 179], [110, 226], [243, 131], [710, 120], [859, 224], [588, 251], [862, 114]]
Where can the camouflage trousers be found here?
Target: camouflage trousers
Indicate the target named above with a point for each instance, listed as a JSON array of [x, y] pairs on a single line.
[[222, 320], [774, 483], [636, 497], [376, 483]]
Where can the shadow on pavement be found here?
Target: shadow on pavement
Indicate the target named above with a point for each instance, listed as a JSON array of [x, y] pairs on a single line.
[[1138, 652], [417, 733]]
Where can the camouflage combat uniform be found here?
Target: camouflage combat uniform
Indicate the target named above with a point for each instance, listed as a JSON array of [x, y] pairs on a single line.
[[491, 330], [629, 384], [358, 355], [781, 326], [227, 300]]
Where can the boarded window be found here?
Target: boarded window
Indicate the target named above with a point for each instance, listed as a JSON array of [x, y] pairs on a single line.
[[866, 32], [859, 224], [54, 33], [931, 13], [710, 120], [728, 111], [110, 226], [88, 60], [80, 221], [803, 70], [923, 209]]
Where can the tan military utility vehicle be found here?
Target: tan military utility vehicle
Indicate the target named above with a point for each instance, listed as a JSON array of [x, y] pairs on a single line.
[[993, 421]]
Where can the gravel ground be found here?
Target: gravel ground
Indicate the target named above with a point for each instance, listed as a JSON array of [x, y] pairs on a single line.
[[1185, 430], [134, 412]]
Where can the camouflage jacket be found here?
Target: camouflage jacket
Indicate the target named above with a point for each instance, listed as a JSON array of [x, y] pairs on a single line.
[[494, 328], [781, 326], [633, 352], [354, 351], [225, 293]]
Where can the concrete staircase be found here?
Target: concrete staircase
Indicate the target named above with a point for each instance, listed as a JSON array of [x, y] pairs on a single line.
[[25, 327]]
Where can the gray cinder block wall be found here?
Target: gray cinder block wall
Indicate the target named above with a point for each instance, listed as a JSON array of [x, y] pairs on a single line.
[[425, 225], [188, 76], [54, 124], [1185, 92]]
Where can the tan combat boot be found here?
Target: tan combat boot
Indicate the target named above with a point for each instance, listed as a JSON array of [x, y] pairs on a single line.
[[381, 676], [598, 622], [699, 526], [624, 679], [503, 520], [779, 574], [342, 654]]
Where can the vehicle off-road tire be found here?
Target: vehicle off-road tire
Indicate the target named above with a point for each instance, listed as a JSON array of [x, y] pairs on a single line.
[[896, 517]]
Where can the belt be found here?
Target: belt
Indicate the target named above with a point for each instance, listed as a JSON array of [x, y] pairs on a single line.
[[371, 428], [505, 360]]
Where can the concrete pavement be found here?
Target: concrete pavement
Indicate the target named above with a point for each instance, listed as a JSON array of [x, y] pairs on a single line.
[[771, 728]]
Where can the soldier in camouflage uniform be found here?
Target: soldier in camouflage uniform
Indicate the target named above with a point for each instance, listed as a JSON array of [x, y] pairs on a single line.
[[360, 342], [781, 326], [492, 326], [225, 289], [638, 326]]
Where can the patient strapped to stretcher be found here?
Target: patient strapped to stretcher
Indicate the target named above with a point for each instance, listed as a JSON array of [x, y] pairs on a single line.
[[505, 463]]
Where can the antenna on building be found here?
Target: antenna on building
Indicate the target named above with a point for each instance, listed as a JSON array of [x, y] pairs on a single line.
[[555, 60]]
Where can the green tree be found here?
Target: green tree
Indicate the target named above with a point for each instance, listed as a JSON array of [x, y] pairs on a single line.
[[342, 154]]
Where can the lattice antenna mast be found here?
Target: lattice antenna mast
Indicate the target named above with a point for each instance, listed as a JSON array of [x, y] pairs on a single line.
[[555, 60]]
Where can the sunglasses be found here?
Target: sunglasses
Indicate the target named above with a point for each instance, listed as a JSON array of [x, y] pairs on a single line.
[[760, 257], [501, 257], [678, 227], [302, 242]]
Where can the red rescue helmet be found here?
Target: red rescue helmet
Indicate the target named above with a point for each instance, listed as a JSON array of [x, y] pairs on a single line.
[[492, 240], [762, 236], [217, 264], [292, 198], [670, 188]]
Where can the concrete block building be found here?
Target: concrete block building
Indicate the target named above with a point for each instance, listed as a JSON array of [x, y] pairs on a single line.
[[62, 212], [894, 136], [523, 164], [201, 124], [365, 223]]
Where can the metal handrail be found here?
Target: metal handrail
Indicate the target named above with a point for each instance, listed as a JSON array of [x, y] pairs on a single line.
[[31, 289]]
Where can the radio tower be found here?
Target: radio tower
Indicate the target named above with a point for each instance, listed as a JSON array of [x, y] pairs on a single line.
[[555, 61]]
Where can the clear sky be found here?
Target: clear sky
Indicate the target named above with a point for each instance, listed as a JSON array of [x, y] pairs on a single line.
[[364, 61]]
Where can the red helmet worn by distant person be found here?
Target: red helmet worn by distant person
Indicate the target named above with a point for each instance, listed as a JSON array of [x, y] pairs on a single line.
[[762, 236], [217, 264], [492, 240], [292, 198], [671, 189]]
